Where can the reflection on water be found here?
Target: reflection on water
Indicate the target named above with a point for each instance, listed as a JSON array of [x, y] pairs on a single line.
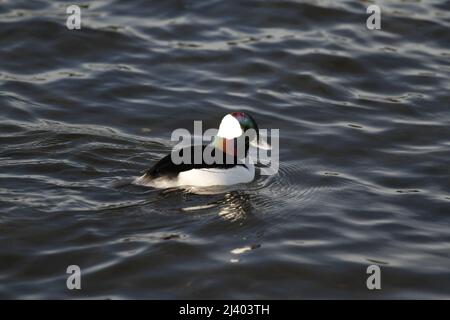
[[363, 175], [235, 206]]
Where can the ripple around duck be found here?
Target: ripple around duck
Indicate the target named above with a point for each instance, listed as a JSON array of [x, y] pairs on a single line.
[[363, 177]]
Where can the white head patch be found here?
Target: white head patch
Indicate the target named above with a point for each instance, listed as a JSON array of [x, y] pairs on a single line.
[[229, 128]]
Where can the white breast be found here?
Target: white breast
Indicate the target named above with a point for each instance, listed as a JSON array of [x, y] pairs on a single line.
[[216, 177]]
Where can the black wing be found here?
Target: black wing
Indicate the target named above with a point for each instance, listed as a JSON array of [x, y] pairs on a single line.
[[165, 166]]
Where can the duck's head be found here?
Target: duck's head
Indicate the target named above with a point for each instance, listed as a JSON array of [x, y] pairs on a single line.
[[235, 124], [234, 127]]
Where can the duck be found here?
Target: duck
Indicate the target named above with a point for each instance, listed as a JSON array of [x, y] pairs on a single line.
[[228, 150]]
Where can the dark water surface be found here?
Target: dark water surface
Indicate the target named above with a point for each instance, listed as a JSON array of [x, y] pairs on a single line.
[[364, 125]]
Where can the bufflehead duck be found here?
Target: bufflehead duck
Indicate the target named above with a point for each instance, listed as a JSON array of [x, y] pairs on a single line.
[[236, 132]]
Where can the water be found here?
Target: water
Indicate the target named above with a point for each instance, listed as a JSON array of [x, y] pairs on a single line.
[[364, 149]]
